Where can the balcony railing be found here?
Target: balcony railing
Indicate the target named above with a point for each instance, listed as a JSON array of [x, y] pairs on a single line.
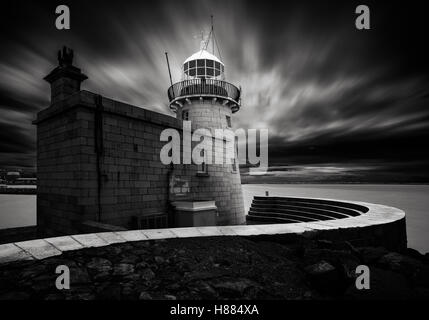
[[204, 87]]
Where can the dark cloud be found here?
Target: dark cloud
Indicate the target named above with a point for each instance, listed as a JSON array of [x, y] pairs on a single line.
[[316, 82]]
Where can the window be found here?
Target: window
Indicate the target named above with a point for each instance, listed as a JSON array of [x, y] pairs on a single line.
[[210, 72], [202, 168], [202, 68], [233, 165], [185, 115], [200, 71], [228, 121]]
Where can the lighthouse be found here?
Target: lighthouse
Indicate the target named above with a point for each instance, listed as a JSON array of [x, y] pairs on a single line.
[[207, 100]]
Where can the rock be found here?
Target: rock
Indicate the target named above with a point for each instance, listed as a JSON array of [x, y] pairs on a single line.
[[147, 274], [32, 272], [324, 244], [145, 296], [412, 253], [123, 269], [400, 263], [325, 277], [55, 296], [234, 288], [99, 268], [132, 277], [142, 265], [422, 293], [222, 262], [204, 290], [85, 296], [79, 276], [421, 277], [110, 291], [159, 260], [128, 290], [44, 282], [320, 268], [129, 259], [426, 258], [370, 255]]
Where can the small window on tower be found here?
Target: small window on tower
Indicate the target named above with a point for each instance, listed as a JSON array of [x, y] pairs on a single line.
[[200, 63], [233, 165], [228, 121], [217, 65], [202, 168], [192, 64], [210, 63], [192, 72], [185, 115], [210, 72]]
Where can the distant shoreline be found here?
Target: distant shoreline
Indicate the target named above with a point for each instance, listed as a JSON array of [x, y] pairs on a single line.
[[337, 182]]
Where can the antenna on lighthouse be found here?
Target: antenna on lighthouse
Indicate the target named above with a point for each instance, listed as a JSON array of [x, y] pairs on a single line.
[[212, 33], [168, 65]]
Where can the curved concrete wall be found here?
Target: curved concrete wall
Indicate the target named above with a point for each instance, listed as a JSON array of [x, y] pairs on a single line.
[[379, 226]]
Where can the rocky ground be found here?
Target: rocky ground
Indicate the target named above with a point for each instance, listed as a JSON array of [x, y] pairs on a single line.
[[221, 268]]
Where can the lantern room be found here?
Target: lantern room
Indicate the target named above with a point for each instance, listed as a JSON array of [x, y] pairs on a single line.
[[203, 64]]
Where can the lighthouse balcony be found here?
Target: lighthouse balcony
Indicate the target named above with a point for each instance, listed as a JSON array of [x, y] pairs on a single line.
[[187, 90]]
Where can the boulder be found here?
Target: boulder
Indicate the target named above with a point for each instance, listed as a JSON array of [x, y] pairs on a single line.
[[99, 267], [324, 277], [123, 269], [400, 263], [370, 255]]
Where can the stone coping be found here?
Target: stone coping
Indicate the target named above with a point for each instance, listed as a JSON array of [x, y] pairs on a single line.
[[194, 206], [44, 248], [85, 99]]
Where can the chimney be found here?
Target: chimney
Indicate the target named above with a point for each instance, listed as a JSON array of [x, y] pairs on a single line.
[[65, 79]]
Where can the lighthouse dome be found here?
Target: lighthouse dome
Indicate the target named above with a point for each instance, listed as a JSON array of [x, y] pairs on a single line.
[[203, 64]]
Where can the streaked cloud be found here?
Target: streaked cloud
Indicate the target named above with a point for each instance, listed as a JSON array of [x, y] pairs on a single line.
[[306, 74]]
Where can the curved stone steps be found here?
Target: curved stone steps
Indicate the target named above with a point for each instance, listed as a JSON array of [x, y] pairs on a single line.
[[301, 209], [313, 201], [264, 219], [333, 212], [298, 216], [300, 213], [316, 208]]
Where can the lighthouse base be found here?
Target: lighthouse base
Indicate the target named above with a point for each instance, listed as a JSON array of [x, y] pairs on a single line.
[[195, 213]]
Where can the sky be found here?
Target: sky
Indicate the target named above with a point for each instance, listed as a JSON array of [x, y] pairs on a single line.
[[327, 92]]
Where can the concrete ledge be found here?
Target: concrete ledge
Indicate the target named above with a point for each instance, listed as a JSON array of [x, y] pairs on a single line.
[[194, 205], [384, 224]]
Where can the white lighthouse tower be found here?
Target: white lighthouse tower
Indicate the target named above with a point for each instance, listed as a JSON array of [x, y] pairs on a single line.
[[204, 97]]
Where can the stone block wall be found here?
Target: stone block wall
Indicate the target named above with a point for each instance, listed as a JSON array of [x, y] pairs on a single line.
[[99, 160]]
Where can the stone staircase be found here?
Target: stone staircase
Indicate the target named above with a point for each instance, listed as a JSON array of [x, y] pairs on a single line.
[[295, 210]]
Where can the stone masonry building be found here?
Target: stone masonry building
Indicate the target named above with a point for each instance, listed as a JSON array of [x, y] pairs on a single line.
[[98, 160]]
